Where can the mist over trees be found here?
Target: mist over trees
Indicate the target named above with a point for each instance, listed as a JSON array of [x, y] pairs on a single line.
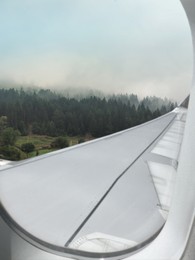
[[44, 112]]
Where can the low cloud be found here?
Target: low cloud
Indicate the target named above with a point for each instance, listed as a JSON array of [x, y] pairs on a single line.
[[114, 46]]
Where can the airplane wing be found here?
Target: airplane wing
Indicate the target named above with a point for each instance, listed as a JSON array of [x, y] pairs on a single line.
[[105, 196]]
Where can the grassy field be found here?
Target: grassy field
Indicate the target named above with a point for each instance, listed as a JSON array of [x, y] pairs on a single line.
[[39, 141], [42, 143]]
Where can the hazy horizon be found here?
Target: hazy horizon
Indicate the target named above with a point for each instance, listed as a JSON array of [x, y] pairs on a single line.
[[114, 46]]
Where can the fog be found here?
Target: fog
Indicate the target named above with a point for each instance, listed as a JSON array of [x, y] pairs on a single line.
[[115, 46]]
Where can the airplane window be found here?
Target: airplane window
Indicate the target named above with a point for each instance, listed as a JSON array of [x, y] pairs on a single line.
[[110, 205]]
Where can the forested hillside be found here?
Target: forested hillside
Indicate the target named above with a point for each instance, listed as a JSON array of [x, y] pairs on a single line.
[[44, 112]]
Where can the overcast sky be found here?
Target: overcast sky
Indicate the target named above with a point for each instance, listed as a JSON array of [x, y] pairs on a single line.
[[139, 46]]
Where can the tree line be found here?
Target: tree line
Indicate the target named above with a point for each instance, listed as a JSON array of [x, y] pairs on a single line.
[[44, 112]]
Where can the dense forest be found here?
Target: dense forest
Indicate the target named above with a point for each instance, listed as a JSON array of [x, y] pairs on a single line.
[[44, 112]]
